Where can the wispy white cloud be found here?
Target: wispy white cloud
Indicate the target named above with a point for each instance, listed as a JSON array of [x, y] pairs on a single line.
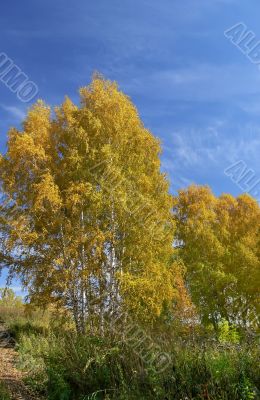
[[251, 107], [196, 155], [199, 82], [16, 112], [196, 147]]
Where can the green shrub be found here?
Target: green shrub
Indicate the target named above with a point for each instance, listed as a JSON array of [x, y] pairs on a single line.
[[228, 333], [32, 352]]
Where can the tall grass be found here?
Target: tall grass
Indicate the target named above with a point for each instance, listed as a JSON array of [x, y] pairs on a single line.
[[61, 365], [81, 367], [4, 394]]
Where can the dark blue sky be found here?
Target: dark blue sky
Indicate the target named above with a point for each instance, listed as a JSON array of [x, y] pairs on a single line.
[[194, 89]]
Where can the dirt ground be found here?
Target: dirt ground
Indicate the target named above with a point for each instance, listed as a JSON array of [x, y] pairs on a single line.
[[9, 374]]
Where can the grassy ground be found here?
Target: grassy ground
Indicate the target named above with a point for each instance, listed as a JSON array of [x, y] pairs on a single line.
[[60, 365], [4, 394]]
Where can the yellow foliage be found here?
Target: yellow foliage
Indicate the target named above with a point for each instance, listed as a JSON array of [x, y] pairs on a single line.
[[91, 219]]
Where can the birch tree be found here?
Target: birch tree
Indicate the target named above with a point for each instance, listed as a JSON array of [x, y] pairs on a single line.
[[86, 218], [219, 241]]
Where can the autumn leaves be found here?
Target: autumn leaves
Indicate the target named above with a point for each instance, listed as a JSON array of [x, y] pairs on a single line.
[[92, 224]]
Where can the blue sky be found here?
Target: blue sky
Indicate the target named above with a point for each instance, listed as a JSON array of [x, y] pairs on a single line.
[[194, 89]]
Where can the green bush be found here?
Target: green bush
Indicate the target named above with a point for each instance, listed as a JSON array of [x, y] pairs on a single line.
[[227, 333], [33, 349]]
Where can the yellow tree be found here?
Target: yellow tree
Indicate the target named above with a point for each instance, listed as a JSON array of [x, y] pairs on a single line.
[[86, 217], [219, 241]]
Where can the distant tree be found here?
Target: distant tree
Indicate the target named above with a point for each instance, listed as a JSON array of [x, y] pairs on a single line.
[[8, 298], [219, 241]]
